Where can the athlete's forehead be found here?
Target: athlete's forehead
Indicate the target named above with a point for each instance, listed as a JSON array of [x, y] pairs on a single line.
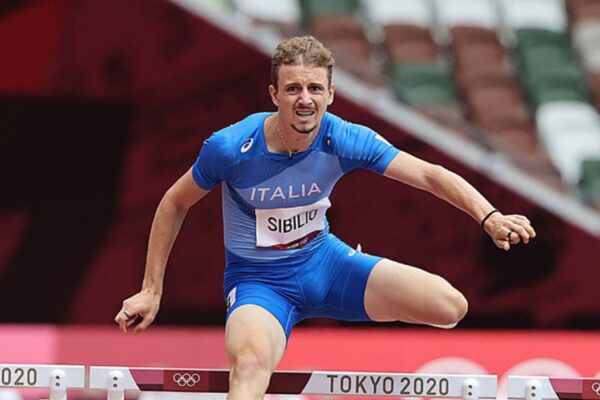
[[302, 74]]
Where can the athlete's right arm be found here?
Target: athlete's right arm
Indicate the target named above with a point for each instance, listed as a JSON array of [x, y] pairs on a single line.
[[167, 221]]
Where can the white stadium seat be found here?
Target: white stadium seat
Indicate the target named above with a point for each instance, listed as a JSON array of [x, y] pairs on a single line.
[[542, 14], [570, 133], [282, 11], [466, 12], [567, 152], [449, 13], [586, 39], [560, 116], [386, 12]]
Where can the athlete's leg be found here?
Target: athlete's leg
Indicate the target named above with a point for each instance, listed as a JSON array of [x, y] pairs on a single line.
[[398, 292], [255, 343]]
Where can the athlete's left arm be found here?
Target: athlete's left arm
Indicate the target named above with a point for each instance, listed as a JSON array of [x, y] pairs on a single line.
[[457, 191]]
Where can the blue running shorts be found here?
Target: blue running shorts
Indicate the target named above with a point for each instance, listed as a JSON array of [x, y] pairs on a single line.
[[329, 283]]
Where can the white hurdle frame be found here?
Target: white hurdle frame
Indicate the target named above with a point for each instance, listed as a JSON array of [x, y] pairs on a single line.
[[116, 380], [552, 388], [56, 378]]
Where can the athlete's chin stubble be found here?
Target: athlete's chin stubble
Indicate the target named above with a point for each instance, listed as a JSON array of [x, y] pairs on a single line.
[[303, 131]]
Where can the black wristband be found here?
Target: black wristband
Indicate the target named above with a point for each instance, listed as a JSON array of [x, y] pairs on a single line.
[[487, 216]]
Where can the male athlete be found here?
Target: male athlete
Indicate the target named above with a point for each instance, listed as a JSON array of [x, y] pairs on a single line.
[[277, 171]]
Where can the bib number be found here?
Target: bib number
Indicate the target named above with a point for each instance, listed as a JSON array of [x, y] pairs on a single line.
[[285, 228]]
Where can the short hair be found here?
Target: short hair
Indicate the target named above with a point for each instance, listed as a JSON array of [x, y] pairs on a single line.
[[301, 50]]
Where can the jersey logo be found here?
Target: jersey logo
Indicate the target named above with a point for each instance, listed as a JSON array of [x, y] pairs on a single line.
[[246, 146], [231, 297], [352, 252]]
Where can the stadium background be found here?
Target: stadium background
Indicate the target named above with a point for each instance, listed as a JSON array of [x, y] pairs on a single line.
[[103, 104]]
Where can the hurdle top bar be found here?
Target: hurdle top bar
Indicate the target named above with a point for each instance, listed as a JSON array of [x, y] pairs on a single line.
[[553, 388], [42, 376], [468, 387]]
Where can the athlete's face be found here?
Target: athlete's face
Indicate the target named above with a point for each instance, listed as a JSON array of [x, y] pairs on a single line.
[[302, 96]]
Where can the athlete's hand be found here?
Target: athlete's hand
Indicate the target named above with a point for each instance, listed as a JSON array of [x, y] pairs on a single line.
[[507, 230], [144, 305]]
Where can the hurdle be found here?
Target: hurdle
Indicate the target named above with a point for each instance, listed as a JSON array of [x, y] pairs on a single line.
[[56, 378], [550, 388], [116, 380]]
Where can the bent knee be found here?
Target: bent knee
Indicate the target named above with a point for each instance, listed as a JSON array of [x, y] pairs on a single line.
[[452, 309], [248, 368]]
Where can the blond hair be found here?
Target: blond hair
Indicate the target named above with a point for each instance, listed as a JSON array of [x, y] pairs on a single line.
[[301, 50]]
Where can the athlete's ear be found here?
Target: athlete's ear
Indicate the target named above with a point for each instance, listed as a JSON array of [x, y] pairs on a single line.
[[273, 93], [331, 94]]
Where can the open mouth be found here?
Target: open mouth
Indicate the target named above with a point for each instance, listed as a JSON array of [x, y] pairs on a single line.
[[305, 113]]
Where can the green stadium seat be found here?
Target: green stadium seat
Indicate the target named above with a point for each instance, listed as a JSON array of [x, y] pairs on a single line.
[[529, 37], [554, 92], [556, 85], [423, 85], [570, 71], [312, 9], [538, 48], [543, 57], [589, 182]]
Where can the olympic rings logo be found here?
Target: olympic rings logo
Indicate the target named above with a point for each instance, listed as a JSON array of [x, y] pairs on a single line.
[[596, 388], [186, 379]]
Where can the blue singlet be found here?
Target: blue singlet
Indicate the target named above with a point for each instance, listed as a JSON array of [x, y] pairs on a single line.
[[280, 254]]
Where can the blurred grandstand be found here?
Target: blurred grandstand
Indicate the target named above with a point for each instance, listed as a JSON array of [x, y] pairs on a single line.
[[519, 76], [105, 103]]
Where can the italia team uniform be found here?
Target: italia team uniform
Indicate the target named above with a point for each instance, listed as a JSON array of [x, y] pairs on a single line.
[[279, 251]]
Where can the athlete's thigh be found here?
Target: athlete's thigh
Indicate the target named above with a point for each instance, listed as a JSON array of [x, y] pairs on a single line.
[[399, 292], [251, 329]]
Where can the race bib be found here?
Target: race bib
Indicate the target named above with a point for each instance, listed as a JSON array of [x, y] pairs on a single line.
[[287, 228]]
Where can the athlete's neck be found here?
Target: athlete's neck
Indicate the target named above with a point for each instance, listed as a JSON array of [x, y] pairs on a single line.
[[282, 139]]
